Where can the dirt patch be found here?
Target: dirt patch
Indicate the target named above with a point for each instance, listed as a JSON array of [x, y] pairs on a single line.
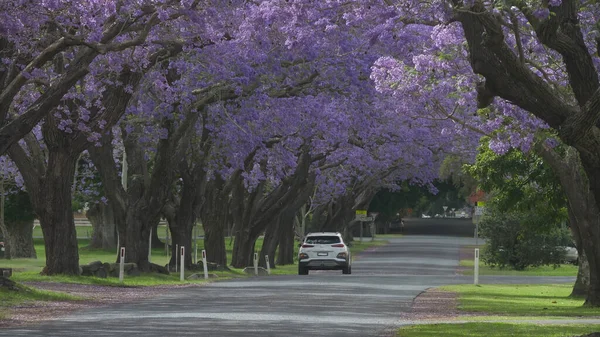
[[434, 304], [94, 296]]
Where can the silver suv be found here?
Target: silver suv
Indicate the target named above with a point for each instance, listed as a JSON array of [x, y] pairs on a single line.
[[324, 251]]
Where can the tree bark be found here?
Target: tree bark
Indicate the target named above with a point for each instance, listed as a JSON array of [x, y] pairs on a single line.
[[182, 237], [270, 243], [214, 242], [243, 249], [285, 254], [215, 217], [182, 216], [584, 211], [582, 283], [104, 231], [50, 186], [53, 207], [19, 240]]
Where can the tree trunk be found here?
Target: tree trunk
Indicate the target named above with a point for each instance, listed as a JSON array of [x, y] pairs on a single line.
[[270, 243], [215, 219], [243, 249], [53, 206], [256, 209], [582, 283], [214, 242], [182, 237], [104, 231], [136, 236], [592, 251], [19, 242], [584, 211], [286, 252], [286, 234]]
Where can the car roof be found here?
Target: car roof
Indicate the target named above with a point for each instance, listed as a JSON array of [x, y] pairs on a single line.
[[323, 234]]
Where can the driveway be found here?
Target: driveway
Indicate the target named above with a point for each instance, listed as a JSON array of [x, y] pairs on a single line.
[[369, 302]]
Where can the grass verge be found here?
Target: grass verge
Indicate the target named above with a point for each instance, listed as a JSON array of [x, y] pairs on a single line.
[[561, 270], [521, 300], [502, 305], [496, 330], [467, 263], [9, 298]]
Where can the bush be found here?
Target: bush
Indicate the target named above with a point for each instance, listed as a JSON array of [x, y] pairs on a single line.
[[521, 239]]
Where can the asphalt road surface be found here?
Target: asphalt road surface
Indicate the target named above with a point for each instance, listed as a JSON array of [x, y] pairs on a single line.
[[370, 302]]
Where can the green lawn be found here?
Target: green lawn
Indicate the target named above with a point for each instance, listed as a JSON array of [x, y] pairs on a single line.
[[521, 300], [561, 270], [503, 304], [496, 330], [25, 294]]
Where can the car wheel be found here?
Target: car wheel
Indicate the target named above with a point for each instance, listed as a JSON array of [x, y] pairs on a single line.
[[302, 271], [347, 270]]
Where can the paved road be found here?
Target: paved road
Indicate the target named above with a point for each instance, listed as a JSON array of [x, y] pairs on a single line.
[[443, 227], [369, 302]]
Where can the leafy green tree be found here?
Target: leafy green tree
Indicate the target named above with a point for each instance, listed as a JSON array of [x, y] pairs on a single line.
[[526, 213]]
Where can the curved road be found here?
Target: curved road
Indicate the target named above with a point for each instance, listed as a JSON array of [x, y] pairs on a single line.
[[370, 302]]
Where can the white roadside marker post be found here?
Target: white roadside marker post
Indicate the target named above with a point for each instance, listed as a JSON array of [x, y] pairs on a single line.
[[204, 265], [122, 264], [256, 264], [268, 264], [181, 276], [476, 273], [176, 256], [150, 247], [195, 244]]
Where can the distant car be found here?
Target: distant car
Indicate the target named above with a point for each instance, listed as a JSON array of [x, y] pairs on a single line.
[[571, 255], [425, 216], [324, 251]]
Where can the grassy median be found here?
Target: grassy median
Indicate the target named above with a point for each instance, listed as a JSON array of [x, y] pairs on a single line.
[[497, 330], [499, 308], [521, 300]]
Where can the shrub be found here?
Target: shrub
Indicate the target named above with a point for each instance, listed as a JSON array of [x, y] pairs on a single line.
[[522, 239]]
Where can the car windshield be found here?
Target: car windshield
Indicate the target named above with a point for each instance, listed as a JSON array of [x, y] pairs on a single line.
[[323, 240]]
